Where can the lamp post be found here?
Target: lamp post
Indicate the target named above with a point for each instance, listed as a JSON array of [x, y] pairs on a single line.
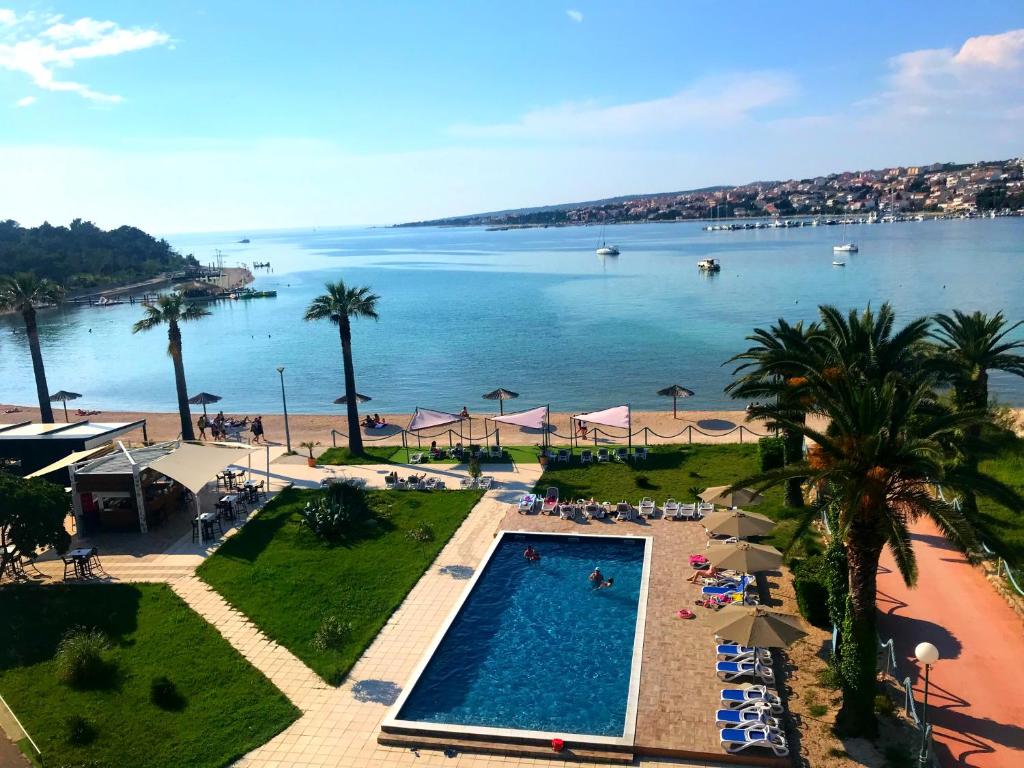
[[927, 654], [284, 403]]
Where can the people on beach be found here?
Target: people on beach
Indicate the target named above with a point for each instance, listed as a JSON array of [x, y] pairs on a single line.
[[464, 414], [596, 578], [582, 429], [531, 554], [201, 423], [707, 573]]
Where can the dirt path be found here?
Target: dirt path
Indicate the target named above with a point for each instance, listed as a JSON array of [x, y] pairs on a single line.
[[976, 696]]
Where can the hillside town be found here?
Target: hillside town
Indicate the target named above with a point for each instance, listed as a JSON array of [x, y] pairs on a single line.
[[946, 189]]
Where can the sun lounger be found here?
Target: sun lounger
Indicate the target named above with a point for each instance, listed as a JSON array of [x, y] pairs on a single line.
[[687, 511], [733, 670], [567, 511], [726, 589], [563, 455], [621, 454], [623, 511], [737, 739], [647, 507], [737, 698], [757, 716], [430, 483], [485, 482], [527, 503], [389, 483], [704, 509], [671, 509], [496, 452], [416, 458], [733, 652], [550, 504], [587, 456], [593, 510], [640, 454], [465, 483], [603, 455]]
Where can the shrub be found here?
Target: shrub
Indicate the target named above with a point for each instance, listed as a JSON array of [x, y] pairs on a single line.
[[78, 731], [474, 467], [817, 710], [809, 581], [884, 705], [421, 533], [164, 694], [830, 678], [80, 661], [331, 634], [772, 452], [337, 510]]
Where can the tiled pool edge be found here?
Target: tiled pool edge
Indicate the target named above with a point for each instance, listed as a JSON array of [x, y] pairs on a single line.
[[392, 724]]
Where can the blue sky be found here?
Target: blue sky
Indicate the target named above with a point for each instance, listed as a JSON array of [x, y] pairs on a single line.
[[188, 116]]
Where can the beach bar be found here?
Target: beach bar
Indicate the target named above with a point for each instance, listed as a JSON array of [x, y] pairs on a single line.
[[27, 447]]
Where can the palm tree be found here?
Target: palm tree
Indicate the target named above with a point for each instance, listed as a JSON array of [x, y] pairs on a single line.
[[771, 368], [971, 345], [888, 438], [22, 293], [170, 309], [339, 305]]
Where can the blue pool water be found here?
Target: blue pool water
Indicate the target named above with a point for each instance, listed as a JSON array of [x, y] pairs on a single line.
[[534, 646]]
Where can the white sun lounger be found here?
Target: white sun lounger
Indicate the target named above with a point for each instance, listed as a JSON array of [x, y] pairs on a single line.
[[647, 507], [737, 739], [751, 717], [603, 455], [671, 509], [484, 482], [587, 456], [733, 670], [623, 511], [704, 509], [550, 505], [563, 455], [748, 695]]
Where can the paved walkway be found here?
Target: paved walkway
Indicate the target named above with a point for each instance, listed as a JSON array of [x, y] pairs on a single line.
[[976, 696]]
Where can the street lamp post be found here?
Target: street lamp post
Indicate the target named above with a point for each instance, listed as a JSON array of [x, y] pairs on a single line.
[[927, 654], [284, 403]]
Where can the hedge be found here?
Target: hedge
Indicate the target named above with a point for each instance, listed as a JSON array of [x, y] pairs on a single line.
[[809, 581]]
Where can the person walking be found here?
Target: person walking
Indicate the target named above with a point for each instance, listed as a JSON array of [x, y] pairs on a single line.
[[201, 423]]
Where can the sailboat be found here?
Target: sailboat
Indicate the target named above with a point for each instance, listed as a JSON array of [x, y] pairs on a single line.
[[605, 249], [846, 247]]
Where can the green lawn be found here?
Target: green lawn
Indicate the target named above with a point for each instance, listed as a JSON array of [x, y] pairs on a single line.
[[287, 581], [674, 471], [396, 454], [1000, 528], [229, 707]]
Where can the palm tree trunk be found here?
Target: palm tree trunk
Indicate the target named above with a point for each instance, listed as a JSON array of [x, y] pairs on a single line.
[[859, 659], [355, 436], [42, 390], [793, 452], [174, 349]]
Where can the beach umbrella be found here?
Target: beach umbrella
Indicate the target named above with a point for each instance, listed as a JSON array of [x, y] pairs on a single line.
[[723, 497], [744, 556], [757, 626], [675, 392], [736, 522], [62, 397], [204, 399], [343, 400], [501, 395]]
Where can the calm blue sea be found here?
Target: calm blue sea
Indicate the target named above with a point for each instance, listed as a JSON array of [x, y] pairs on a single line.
[[535, 647], [464, 311]]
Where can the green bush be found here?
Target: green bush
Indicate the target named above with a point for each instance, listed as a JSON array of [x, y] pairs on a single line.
[[809, 582], [421, 533], [332, 634], [772, 452], [78, 731], [817, 710], [164, 694], [336, 511], [830, 678], [80, 661]]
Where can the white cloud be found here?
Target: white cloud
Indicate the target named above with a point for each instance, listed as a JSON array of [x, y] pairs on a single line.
[[8, 18], [27, 101], [39, 48], [575, 15], [710, 101]]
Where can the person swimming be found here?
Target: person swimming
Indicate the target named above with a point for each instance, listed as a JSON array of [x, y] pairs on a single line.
[[596, 578], [606, 584], [531, 554]]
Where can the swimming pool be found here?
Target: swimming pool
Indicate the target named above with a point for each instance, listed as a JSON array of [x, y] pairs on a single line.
[[533, 649]]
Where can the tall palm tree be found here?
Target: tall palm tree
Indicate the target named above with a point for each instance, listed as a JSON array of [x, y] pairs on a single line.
[[339, 305], [23, 293], [772, 368], [971, 345], [171, 309]]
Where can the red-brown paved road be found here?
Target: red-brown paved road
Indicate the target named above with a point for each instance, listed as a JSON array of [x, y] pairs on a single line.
[[976, 697]]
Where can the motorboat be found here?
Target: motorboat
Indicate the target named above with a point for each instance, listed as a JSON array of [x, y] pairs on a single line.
[[709, 265], [837, 263], [845, 248]]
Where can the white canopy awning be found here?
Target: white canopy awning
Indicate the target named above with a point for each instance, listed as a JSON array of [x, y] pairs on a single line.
[[609, 417], [67, 461], [195, 465], [533, 418], [424, 418]]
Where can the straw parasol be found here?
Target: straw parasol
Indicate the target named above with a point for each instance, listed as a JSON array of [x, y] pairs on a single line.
[[343, 400], [723, 497], [204, 399], [736, 522], [744, 556], [675, 392], [62, 397], [501, 395], [757, 626]]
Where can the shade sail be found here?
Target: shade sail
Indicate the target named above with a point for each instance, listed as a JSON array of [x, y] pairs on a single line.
[[609, 417], [533, 418], [425, 418], [71, 458], [195, 465]]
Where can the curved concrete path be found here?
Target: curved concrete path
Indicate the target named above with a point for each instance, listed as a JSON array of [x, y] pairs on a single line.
[[976, 695]]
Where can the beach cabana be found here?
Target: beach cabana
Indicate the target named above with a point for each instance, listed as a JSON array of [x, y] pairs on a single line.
[[619, 416], [424, 418], [535, 418], [27, 447]]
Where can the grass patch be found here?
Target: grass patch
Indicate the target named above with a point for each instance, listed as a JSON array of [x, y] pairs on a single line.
[[294, 585], [396, 454], [676, 471], [228, 707], [1001, 529]]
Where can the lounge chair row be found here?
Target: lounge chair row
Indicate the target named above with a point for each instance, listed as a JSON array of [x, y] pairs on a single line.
[[749, 715], [494, 453], [588, 456], [414, 483]]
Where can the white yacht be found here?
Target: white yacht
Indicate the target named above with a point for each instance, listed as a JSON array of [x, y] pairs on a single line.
[[845, 248], [709, 265], [607, 250]]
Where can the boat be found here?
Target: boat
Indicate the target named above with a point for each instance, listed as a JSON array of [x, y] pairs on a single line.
[[845, 248], [244, 240], [709, 265], [837, 263], [257, 295], [605, 249], [103, 301]]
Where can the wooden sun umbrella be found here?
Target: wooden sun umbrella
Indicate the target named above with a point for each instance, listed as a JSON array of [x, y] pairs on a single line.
[[501, 395], [62, 397], [204, 399], [723, 497], [755, 625], [675, 392], [343, 400], [736, 522], [744, 556]]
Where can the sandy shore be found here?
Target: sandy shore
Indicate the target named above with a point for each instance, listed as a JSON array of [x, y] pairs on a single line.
[[689, 426]]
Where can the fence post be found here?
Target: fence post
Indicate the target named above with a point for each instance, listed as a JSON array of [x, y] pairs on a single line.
[[689, 435], [334, 438], [646, 430]]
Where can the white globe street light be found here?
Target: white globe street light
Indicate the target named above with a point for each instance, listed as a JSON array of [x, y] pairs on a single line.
[[927, 654]]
